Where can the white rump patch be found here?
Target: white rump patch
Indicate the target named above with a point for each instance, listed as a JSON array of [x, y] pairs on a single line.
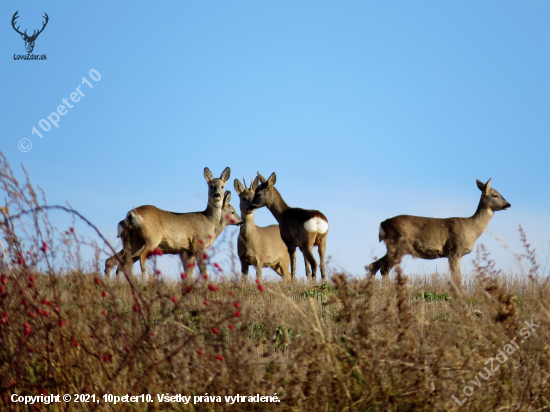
[[133, 219], [119, 230], [316, 225]]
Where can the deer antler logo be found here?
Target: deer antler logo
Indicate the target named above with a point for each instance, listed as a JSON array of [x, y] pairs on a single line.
[[29, 40]]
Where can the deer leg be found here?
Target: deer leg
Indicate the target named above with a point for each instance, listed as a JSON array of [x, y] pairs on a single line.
[[321, 249], [454, 266], [259, 271], [112, 262], [119, 269], [244, 270], [143, 264], [310, 261], [189, 265], [292, 253], [201, 262]]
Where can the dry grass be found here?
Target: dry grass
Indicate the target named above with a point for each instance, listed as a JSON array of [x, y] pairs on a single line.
[[366, 345]]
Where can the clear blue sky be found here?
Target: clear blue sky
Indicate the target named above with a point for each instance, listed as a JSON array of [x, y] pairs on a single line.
[[364, 109]]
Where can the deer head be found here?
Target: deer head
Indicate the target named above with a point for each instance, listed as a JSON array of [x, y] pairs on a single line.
[[216, 186], [29, 40]]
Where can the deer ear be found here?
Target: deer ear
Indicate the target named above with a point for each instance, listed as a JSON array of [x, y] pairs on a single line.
[[487, 187], [262, 179], [208, 174], [225, 174], [238, 186], [480, 185], [255, 184], [272, 179], [226, 198]]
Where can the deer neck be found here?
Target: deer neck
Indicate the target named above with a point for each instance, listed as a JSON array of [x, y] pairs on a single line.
[[481, 218], [248, 228], [213, 213], [277, 205]]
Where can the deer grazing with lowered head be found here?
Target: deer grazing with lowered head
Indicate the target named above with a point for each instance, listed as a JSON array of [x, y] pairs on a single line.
[[132, 237], [259, 246], [432, 238], [299, 227], [185, 234]]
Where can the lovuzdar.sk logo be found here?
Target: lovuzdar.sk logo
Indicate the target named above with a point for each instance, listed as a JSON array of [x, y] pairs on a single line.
[[29, 40]]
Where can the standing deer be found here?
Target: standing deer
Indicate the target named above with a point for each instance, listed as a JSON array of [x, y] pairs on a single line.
[[185, 234], [259, 246], [432, 238], [299, 227], [132, 237]]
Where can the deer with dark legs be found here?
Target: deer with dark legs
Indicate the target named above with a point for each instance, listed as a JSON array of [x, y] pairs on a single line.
[[29, 40], [432, 238], [129, 236], [259, 246], [185, 234], [298, 227]]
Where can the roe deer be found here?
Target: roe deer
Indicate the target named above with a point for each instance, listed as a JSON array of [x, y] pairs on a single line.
[[259, 246], [299, 227], [129, 236], [432, 238], [185, 234]]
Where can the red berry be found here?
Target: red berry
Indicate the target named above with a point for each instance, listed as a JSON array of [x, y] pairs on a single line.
[[205, 303], [158, 252], [158, 272], [153, 333], [201, 241], [31, 278], [174, 299], [216, 331], [261, 288], [183, 275], [31, 314], [104, 312], [220, 358], [103, 293], [62, 323], [106, 358], [236, 304], [97, 281], [205, 277], [200, 352], [213, 288], [230, 326], [237, 314], [57, 309], [188, 289], [205, 256], [136, 308], [230, 293]]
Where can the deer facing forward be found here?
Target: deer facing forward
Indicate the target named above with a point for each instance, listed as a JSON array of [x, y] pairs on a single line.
[[185, 234], [131, 236], [299, 227], [432, 238], [259, 246]]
